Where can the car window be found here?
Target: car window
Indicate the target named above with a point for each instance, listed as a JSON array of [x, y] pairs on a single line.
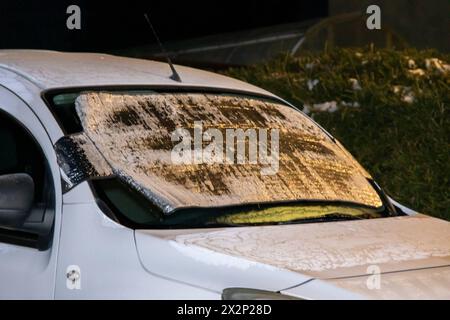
[[131, 138], [183, 150], [128, 207], [21, 154]]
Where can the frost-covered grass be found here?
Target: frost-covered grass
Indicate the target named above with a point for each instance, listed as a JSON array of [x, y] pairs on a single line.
[[391, 109]]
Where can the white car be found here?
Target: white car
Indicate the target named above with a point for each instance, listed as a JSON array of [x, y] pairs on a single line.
[[99, 197]]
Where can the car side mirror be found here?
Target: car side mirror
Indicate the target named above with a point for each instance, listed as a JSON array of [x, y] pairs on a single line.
[[16, 198]]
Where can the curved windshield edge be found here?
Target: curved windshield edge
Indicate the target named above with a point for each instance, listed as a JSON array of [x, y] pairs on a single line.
[[127, 207]]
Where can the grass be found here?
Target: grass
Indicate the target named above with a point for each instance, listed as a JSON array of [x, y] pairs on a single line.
[[391, 109]]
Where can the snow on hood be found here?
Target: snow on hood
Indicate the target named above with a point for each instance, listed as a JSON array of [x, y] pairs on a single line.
[[288, 256], [325, 250]]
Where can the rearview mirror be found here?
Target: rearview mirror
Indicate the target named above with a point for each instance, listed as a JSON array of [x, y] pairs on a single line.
[[16, 198]]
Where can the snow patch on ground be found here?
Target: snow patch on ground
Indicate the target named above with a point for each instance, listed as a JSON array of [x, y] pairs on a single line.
[[434, 64], [329, 106], [406, 94], [355, 84], [312, 83]]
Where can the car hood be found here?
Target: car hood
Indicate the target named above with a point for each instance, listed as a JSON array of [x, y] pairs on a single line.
[[290, 256], [426, 283]]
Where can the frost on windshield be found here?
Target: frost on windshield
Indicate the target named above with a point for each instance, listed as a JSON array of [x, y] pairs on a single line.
[[79, 160], [130, 136]]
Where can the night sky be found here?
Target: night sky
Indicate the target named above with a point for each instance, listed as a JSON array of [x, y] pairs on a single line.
[[115, 25]]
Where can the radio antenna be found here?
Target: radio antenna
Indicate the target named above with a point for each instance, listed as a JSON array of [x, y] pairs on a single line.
[[175, 76]]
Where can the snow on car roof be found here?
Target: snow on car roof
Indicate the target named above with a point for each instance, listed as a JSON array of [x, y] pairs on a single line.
[[53, 69]]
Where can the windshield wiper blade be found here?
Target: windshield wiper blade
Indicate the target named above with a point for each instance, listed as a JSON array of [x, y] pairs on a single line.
[[327, 217]]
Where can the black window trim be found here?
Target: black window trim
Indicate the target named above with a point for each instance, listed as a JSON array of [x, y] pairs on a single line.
[[48, 95], [108, 208]]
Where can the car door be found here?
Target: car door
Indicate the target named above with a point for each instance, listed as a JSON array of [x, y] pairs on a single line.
[[28, 251]]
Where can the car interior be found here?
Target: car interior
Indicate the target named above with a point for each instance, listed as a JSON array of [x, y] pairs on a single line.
[[27, 205]]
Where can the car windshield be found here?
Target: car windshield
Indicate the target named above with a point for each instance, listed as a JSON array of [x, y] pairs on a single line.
[[128, 207], [208, 158]]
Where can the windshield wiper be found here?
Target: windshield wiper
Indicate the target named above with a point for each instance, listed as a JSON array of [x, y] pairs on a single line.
[[327, 217]]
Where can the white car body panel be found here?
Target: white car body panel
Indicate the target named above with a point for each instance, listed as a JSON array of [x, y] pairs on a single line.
[[51, 69], [30, 93], [325, 251], [25, 272], [190, 264], [110, 267], [322, 250], [311, 261], [427, 283]]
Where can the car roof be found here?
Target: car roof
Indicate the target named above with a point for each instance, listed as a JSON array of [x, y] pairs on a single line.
[[53, 69]]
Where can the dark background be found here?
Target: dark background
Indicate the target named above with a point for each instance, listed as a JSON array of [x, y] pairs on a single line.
[[120, 24]]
